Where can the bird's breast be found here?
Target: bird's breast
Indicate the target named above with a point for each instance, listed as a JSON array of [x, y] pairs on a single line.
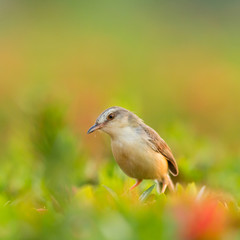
[[137, 159]]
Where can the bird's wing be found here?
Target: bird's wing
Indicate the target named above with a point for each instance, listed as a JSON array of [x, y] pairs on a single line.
[[159, 145]]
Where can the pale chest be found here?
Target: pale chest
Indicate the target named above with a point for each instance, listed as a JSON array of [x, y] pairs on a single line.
[[135, 157], [129, 144]]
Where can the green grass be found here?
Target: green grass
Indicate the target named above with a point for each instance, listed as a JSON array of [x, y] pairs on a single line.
[[49, 192]]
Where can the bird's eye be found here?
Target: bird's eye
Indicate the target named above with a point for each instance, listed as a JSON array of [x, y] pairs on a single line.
[[110, 116]]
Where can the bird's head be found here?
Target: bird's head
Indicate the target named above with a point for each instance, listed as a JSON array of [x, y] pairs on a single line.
[[113, 119]]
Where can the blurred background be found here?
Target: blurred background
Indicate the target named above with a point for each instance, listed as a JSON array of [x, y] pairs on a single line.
[[174, 63]]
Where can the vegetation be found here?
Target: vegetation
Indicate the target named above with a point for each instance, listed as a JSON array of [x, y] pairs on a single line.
[[174, 64]]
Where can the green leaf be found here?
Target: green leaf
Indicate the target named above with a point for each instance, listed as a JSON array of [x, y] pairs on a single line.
[[191, 189], [179, 189], [112, 193], [146, 193], [233, 206]]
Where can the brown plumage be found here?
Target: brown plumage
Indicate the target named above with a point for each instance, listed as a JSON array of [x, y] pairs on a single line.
[[159, 145]]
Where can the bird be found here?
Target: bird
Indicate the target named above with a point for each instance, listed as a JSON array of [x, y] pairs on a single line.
[[137, 148]]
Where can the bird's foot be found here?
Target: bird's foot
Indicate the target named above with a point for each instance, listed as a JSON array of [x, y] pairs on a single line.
[[136, 184]]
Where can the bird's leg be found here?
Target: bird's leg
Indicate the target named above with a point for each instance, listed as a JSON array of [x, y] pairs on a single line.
[[167, 182], [158, 187], [136, 184], [170, 184], [164, 187]]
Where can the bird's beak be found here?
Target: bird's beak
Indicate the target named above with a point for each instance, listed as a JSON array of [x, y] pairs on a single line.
[[95, 127]]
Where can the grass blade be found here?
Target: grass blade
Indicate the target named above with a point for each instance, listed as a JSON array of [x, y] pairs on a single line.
[[112, 193], [146, 193]]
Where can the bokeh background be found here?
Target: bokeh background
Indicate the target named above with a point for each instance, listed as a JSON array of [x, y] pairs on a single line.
[[173, 63]]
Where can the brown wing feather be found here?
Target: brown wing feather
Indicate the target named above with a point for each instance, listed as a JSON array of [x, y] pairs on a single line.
[[159, 145]]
